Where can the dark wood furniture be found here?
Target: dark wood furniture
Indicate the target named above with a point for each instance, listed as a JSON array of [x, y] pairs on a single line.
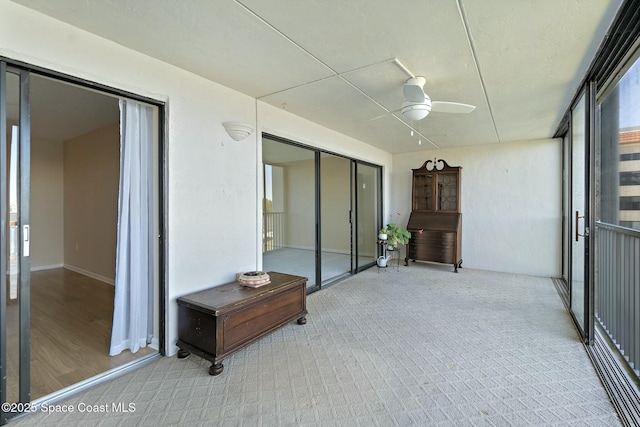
[[435, 222], [216, 322], [435, 237]]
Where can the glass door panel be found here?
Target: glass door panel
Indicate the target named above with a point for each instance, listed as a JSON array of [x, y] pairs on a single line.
[[335, 216], [367, 202], [14, 257], [321, 212], [579, 211], [447, 192], [289, 210]]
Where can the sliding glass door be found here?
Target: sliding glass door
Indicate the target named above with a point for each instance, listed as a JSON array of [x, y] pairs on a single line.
[[289, 210], [368, 214], [579, 208], [335, 216], [58, 201], [320, 212], [15, 242], [578, 260], [617, 280]]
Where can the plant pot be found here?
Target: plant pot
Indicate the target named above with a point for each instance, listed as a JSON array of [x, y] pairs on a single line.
[[382, 236]]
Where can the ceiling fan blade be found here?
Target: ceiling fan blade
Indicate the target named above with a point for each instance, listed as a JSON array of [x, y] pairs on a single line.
[[451, 107]]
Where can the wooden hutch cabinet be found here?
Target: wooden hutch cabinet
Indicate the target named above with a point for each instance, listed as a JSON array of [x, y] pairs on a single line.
[[435, 223]]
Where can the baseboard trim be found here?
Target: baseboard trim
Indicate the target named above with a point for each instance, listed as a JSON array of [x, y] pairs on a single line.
[[47, 267], [90, 274]]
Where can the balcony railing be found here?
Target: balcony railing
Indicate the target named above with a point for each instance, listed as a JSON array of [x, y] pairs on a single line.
[[618, 289], [272, 231]]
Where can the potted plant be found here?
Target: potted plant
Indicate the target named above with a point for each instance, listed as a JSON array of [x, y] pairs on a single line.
[[382, 234], [396, 236]]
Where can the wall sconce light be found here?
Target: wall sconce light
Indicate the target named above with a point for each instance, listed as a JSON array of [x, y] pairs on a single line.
[[237, 131]]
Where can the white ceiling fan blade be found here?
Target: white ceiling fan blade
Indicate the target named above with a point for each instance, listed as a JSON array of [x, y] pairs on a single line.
[[451, 107]]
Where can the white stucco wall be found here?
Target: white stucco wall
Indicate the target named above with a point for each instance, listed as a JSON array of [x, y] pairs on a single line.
[[213, 181], [511, 203]]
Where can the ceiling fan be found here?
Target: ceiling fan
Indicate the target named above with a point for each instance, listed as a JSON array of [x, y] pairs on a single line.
[[417, 104]]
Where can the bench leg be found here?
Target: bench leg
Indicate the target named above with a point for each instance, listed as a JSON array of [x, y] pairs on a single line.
[[216, 369]]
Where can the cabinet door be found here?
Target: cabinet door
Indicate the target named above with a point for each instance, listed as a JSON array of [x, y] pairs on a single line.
[[423, 192], [447, 192]]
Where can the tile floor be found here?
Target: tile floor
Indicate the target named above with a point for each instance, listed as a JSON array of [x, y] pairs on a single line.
[[416, 346]]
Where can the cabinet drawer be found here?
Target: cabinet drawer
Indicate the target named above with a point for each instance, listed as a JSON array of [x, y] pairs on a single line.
[[438, 238], [436, 246], [444, 238], [431, 254]]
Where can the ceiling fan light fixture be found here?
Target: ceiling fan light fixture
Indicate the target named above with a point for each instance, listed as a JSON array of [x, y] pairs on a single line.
[[416, 110]]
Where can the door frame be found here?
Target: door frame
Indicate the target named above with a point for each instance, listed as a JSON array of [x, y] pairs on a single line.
[[585, 325], [355, 268], [161, 204], [22, 247]]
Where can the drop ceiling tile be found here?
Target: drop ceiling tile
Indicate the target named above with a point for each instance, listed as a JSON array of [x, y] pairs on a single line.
[[350, 34], [533, 56], [218, 40]]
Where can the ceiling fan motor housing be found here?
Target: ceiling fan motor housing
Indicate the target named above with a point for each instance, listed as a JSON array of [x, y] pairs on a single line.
[[413, 89]]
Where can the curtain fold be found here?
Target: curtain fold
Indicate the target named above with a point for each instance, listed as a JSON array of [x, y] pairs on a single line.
[[133, 300]]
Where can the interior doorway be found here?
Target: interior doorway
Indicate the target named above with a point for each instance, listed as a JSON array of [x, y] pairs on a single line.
[[63, 158]]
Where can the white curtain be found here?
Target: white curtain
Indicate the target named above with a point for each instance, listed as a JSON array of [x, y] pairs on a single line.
[[133, 301]]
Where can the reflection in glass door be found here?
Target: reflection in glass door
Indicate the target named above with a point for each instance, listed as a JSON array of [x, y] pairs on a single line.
[[579, 218], [335, 216], [289, 210], [367, 213], [320, 212], [15, 244]]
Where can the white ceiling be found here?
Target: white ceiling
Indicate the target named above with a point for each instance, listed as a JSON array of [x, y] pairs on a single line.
[[337, 62]]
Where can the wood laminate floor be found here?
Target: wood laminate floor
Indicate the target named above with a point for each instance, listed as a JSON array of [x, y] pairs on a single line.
[[71, 317]]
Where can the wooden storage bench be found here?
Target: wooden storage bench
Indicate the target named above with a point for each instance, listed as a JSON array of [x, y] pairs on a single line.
[[216, 322]]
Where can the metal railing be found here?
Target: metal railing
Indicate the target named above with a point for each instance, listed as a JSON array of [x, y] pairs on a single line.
[[618, 288], [272, 231]]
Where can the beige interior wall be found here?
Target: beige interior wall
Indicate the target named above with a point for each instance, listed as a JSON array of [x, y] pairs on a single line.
[[46, 204], [91, 175], [367, 211], [299, 179], [335, 203], [299, 204]]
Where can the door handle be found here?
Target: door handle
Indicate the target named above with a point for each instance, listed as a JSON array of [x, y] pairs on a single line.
[[26, 240], [586, 229]]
